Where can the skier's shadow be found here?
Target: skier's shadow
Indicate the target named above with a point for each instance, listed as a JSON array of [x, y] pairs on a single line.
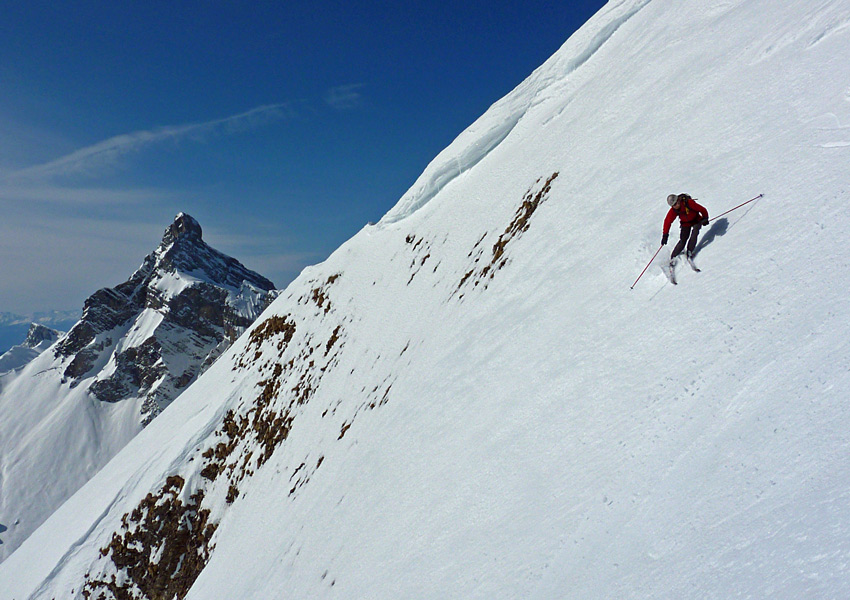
[[719, 228]]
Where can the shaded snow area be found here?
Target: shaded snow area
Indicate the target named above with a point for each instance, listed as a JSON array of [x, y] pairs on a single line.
[[467, 400]]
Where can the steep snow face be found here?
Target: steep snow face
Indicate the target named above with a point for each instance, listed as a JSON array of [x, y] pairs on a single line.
[[137, 346], [467, 399]]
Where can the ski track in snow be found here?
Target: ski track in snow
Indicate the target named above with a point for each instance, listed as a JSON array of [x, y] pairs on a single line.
[[826, 19]]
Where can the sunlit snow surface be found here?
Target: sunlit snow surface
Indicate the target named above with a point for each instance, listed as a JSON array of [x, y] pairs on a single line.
[[490, 412]]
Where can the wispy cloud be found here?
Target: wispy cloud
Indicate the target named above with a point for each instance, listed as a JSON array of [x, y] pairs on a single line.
[[345, 97], [16, 193], [68, 229], [90, 159]]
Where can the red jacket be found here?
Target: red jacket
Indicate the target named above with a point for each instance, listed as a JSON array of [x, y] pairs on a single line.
[[690, 213]]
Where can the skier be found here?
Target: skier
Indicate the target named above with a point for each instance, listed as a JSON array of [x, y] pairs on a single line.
[[692, 216]]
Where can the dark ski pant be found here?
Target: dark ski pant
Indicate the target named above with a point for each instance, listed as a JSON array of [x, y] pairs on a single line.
[[688, 235]]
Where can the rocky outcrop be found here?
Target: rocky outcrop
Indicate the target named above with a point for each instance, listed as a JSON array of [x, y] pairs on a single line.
[[41, 336]]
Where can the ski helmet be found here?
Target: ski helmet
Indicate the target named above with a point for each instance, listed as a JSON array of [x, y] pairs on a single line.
[[671, 199]]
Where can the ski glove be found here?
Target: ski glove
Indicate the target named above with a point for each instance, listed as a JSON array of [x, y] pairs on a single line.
[[704, 223], [664, 239]]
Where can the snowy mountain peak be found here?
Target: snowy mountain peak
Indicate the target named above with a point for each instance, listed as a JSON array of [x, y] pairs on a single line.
[[41, 336], [183, 257], [137, 346], [184, 226], [184, 285]]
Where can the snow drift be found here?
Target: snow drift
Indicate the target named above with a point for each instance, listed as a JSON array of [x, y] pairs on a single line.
[[467, 400]]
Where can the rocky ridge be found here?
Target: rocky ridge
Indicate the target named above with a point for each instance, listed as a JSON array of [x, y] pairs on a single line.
[[151, 336]]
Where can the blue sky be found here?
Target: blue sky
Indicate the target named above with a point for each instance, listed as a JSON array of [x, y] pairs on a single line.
[[283, 127]]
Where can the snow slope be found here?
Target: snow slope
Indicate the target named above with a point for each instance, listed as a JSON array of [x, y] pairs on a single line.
[[467, 400]]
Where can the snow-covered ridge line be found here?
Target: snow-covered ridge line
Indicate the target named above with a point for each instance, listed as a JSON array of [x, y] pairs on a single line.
[[475, 143], [630, 9], [470, 148]]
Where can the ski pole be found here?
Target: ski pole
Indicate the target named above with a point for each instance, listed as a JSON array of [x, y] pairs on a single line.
[[737, 207], [647, 266]]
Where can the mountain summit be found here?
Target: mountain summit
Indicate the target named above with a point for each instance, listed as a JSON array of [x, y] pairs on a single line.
[[137, 346], [184, 226], [184, 250], [142, 325]]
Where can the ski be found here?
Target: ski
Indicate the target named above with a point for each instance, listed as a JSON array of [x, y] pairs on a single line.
[[693, 266], [670, 271]]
